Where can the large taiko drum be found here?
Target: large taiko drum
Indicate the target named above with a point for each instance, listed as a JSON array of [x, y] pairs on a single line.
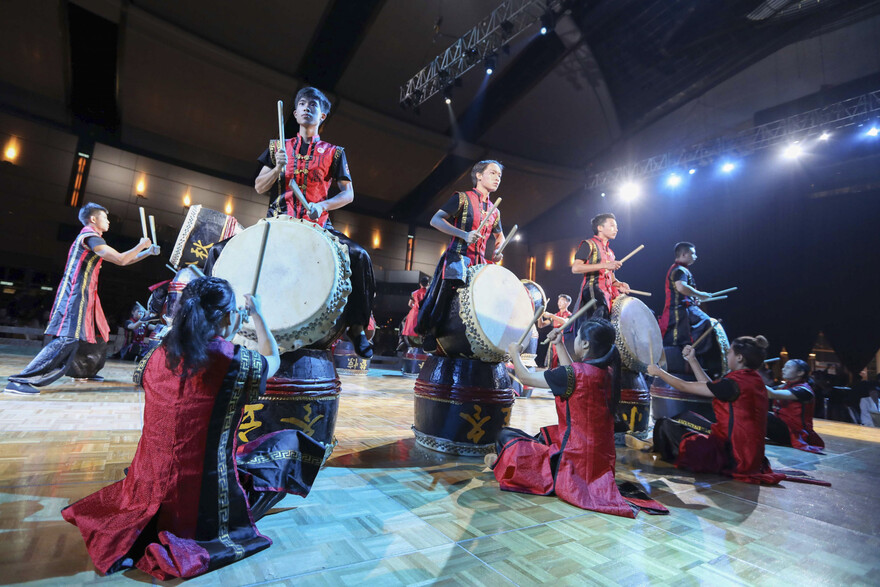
[[634, 405], [304, 283], [461, 405], [539, 300], [489, 312], [202, 229], [347, 361], [668, 402]]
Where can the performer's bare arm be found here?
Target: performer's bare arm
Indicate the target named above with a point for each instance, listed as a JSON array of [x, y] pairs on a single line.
[[343, 198], [440, 222], [525, 376], [686, 290], [266, 341], [780, 394], [695, 387], [269, 175], [554, 337], [142, 250], [580, 266], [499, 241], [691, 357]]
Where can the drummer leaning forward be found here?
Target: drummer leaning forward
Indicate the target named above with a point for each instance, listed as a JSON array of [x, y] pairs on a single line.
[[314, 165], [460, 218], [682, 321], [595, 261]]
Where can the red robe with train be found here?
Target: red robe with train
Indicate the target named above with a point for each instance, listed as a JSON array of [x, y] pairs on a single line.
[[577, 461], [798, 417], [735, 445], [412, 318]]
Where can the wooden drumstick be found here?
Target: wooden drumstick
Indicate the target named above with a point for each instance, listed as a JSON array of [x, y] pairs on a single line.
[[299, 196], [143, 221], [153, 229], [723, 291], [713, 299], [538, 313], [714, 323], [637, 249], [575, 316], [281, 122], [639, 292], [488, 215], [260, 259], [507, 240], [773, 360], [651, 352]]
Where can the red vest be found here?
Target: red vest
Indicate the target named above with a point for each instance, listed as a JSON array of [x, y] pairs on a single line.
[[311, 172], [603, 279], [676, 305], [798, 417], [470, 216]]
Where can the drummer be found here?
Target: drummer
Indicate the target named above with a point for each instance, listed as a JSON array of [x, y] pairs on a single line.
[[563, 301], [595, 261], [460, 217], [682, 321], [314, 165], [415, 301]]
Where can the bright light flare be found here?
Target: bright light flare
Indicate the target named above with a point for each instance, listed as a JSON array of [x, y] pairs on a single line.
[[674, 180], [873, 132], [825, 136], [728, 167], [793, 151], [630, 190]]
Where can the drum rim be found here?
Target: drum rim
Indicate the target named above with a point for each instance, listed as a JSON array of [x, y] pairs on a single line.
[[627, 356], [188, 224], [540, 289]]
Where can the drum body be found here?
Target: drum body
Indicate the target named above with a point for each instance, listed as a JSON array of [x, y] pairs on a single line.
[[304, 284], [634, 406], [175, 289], [667, 402], [461, 405], [303, 395], [90, 358], [536, 292], [413, 360], [347, 361], [714, 361], [202, 229], [489, 312], [638, 337]]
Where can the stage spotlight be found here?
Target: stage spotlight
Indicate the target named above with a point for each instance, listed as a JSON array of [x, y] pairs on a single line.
[[873, 132], [490, 64], [825, 136], [447, 95], [793, 151], [630, 190], [548, 21], [691, 171], [674, 180], [728, 167], [603, 194]]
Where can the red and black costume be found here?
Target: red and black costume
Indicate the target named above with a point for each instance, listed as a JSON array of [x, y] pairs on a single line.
[[733, 445], [412, 317], [465, 211], [682, 321], [316, 166], [574, 458], [185, 505], [597, 285], [790, 422], [554, 358], [76, 314], [136, 344]]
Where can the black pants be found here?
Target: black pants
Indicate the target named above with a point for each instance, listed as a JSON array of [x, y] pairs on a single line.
[[690, 328], [777, 430], [50, 364], [359, 306], [669, 433]]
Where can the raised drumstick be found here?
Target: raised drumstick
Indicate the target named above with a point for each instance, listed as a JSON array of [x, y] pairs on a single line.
[[575, 316], [713, 299], [507, 240], [488, 214], [723, 291], [636, 250], [538, 313], [639, 292], [705, 334], [260, 259], [773, 360], [153, 229], [143, 221], [281, 122]]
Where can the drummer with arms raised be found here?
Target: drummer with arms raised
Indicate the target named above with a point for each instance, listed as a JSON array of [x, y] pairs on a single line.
[[595, 261], [314, 165], [460, 218], [682, 321]]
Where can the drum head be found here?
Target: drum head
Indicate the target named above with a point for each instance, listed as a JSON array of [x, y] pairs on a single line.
[[300, 282], [638, 335], [502, 308], [536, 292]]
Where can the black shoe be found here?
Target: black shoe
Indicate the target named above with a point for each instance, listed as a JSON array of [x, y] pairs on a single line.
[[16, 388], [362, 346], [430, 344]]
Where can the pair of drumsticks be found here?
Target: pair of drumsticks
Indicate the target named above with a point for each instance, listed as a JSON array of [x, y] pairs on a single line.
[[144, 225]]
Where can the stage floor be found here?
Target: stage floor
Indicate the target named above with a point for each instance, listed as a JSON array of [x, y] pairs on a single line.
[[387, 512]]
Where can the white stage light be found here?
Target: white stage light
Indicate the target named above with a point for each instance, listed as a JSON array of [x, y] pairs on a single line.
[[873, 132], [793, 151], [674, 180], [728, 167], [630, 190], [692, 171], [825, 136]]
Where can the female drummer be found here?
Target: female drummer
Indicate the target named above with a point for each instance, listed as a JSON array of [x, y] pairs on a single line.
[[574, 458], [181, 511], [734, 444], [415, 302], [790, 421]]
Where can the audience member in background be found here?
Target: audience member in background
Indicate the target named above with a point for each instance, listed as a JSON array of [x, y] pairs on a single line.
[[790, 421], [869, 405]]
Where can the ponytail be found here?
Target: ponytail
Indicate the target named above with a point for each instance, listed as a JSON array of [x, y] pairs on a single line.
[[197, 318]]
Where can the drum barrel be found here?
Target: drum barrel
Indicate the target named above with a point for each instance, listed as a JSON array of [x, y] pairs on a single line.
[[461, 405], [347, 361], [667, 402], [634, 406], [303, 395], [413, 360]]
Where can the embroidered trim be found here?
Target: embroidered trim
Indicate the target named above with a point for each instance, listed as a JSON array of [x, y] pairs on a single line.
[[570, 383], [138, 376]]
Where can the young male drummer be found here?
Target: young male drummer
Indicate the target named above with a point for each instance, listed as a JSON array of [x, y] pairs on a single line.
[[682, 321], [557, 319], [76, 312], [467, 247], [314, 165], [595, 261]]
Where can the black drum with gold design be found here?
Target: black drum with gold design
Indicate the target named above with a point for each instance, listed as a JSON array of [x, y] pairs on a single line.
[[461, 405], [347, 360], [634, 406], [668, 402], [413, 360]]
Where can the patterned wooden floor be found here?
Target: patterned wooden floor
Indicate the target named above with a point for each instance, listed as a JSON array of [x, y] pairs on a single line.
[[387, 512]]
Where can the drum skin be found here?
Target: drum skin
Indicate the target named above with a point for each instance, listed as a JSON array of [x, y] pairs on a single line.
[[667, 402], [461, 405], [303, 395], [492, 310], [305, 281], [634, 406], [347, 361], [638, 336]]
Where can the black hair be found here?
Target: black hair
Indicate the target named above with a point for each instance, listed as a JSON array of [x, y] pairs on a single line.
[[481, 166], [424, 281], [752, 349], [682, 248], [566, 296], [202, 306], [600, 219], [603, 353], [310, 92], [89, 210]]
